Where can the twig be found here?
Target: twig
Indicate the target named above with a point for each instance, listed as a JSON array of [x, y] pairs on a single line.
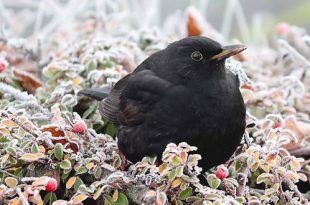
[[21, 196], [228, 189], [295, 53], [242, 179], [8, 173]]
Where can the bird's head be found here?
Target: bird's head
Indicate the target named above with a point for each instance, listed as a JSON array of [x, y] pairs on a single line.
[[199, 55]]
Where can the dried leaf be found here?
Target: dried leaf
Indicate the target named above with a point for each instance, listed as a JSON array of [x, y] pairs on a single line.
[[8, 123], [79, 198], [301, 130], [98, 193], [176, 182], [115, 196], [70, 182], [29, 157], [29, 82], [90, 165], [11, 182]]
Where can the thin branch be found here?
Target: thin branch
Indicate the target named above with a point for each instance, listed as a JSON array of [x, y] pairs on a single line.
[[27, 129], [22, 197]]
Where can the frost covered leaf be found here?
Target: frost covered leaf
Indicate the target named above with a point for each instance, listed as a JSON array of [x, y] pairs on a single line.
[[58, 150], [213, 181], [179, 171], [65, 164], [8, 123], [272, 190], [27, 80], [98, 193], [11, 182], [70, 182], [177, 182], [161, 198], [264, 177], [185, 193], [79, 198], [60, 202], [29, 157], [292, 176]]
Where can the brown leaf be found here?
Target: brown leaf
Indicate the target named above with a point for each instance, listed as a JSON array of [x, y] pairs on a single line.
[[54, 130], [301, 130], [27, 80], [57, 132]]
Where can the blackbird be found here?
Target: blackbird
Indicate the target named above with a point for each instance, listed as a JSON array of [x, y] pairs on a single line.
[[182, 93]]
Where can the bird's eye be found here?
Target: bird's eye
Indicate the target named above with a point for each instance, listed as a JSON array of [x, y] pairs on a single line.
[[197, 56]]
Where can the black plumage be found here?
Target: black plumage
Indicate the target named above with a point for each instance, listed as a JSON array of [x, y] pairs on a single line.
[[183, 93]]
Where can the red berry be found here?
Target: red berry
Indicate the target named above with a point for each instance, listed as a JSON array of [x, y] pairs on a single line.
[[2, 67], [282, 28], [51, 185], [277, 125], [79, 127], [221, 172]]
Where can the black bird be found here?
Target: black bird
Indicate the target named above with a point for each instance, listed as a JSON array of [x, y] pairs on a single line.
[[183, 93]]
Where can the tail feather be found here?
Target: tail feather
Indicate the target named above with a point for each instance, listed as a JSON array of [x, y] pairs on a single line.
[[96, 93]]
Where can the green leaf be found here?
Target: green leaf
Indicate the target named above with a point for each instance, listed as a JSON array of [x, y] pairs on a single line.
[[58, 151], [92, 108], [25, 144], [78, 182], [272, 190], [21, 132], [172, 174], [53, 197], [213, 181], [11, 151], [108, 199], [65, 175], [47, 197], [122, 199], [98, 193], [81, 170], [240, 199], [264, 177], [91, 64], [109, 129], [238, 166], [185, 193], [179, 171], [35, 148], [83, 189], [65, 164], [98, 172], [179, 202], [212, 197]]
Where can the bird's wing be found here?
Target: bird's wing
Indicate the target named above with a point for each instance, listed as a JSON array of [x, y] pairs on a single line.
[[132, 97], [110, 106]]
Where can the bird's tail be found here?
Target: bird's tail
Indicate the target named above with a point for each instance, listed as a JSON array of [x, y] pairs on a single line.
[[96, 93]]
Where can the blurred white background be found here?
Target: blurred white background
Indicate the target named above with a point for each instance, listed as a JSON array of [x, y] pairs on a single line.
[[233, 18]]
